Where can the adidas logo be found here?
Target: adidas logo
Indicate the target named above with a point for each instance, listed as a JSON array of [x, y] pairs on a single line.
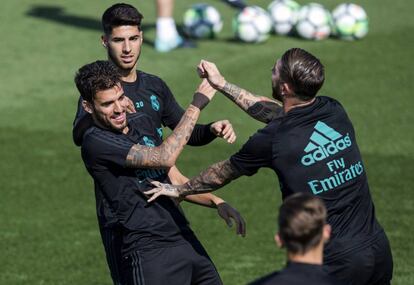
[[324, 142]]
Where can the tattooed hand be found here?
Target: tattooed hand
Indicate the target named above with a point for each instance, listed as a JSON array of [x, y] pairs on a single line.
[[162, 189]]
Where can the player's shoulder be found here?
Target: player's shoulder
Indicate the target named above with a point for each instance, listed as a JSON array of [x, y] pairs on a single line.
[[96, 139], [330, 101], [149, 78], [139, 119]]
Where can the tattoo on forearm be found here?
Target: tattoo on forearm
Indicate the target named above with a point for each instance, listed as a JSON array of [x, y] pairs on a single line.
[[255, 106], [232, 91], [241, 97], [214, 177], [166, 154]]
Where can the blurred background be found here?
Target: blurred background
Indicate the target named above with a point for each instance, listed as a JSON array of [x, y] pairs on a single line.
[[48, 228]]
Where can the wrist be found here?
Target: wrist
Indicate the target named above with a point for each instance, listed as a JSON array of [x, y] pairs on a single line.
[[220, 84], [217, 201], [200, 100]]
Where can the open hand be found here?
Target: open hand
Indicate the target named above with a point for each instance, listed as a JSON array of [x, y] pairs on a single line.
[[162, 189]]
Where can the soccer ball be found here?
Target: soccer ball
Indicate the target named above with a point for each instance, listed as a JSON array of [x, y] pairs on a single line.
[[351, 21], [252, 24], [284, 14], [202, 21], [314, 22]]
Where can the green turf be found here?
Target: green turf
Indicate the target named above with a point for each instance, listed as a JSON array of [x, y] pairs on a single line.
[[48, 231]]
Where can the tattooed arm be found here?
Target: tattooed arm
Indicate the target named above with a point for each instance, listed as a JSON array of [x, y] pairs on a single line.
[[259, 107], [165, 155], [211, 179]]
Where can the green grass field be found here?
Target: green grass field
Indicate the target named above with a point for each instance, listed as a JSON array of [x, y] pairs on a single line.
[[48, 228]]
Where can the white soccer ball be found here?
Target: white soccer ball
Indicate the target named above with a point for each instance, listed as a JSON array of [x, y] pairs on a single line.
[[350, 21], [284, 15], [314, 22], [202, 21], [252, 24]]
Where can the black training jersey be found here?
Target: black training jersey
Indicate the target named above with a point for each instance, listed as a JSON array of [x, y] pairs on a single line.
[[152, 96], [119, 189], [298, 274], [313, 149]]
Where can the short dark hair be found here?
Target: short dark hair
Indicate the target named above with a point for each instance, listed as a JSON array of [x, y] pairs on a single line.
[[120, 14], [301, 221], [303, 71], [96, 76]]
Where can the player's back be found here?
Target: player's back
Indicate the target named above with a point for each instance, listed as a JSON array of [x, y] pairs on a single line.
[[315, 151]]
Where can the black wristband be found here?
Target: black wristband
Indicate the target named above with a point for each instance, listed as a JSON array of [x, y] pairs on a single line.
[[200, 100]]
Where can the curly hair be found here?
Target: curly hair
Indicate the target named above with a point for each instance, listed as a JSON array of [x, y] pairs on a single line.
[[96, 76]]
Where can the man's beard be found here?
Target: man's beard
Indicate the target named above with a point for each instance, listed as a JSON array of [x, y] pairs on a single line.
[[276, 93], [118, 63]]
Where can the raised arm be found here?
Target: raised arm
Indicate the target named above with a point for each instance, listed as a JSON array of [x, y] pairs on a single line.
[[211, 179], [165, 155], [260, 108]]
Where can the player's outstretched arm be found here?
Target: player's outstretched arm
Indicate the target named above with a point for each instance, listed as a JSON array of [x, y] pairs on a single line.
[[165, 155], [258, 107], [211, 179], [224, 210]]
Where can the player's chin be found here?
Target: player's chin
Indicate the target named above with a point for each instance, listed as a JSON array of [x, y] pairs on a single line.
[[119, 125]]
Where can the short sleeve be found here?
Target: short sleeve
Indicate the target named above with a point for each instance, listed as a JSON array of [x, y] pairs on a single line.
[[103, 148], [255, 154]]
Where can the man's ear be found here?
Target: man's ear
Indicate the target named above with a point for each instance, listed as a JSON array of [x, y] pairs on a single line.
[[278, 240], [104, 41], [87, 106], [286, 89], [326, 232]]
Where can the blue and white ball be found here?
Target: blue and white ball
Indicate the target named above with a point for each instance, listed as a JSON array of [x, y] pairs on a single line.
[[202, 21], [350, 21]]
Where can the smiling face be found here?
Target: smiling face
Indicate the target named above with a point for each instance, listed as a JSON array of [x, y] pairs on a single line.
[[124, 46], [108, 108]]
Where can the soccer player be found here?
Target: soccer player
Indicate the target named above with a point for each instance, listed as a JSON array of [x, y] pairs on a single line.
[[147, 94], [121, 152], [303, 231], [310, 144]]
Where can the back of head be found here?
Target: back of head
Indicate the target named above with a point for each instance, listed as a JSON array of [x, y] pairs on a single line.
[[303, 72], [96, 76], [302, 218], [120, 14]]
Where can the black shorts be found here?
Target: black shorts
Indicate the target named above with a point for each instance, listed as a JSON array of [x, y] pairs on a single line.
[[112, 241], [370, 265], [183, 264]]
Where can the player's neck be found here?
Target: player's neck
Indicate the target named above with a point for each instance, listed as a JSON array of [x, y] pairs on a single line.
[[313, 256], [292, 102], [129, 75]]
